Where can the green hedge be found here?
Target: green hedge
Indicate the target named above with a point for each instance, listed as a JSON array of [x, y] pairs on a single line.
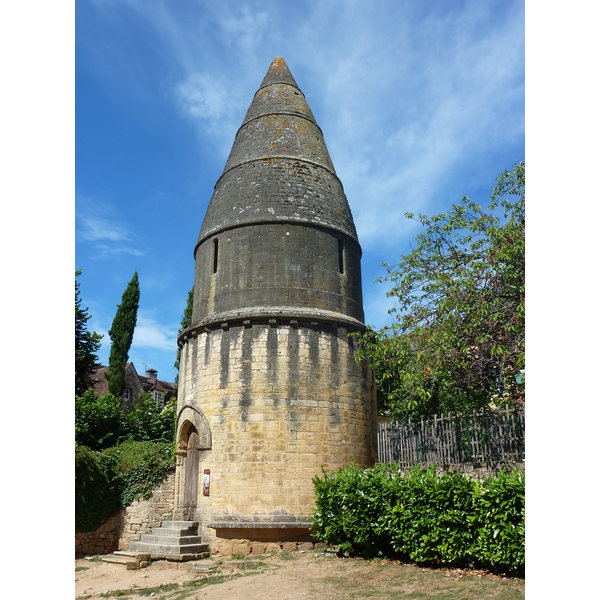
[[428, 519], [108, 480]]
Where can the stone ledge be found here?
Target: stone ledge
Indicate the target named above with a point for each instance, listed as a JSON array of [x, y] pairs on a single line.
[[260, 524], [292, 316]]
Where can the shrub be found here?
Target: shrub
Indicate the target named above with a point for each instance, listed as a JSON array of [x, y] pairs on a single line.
[[98, 421], [108, 480], [351, 508], [428, 519], [101, 423], [97, 490], [148, 421], [141, 466], [500, 523]]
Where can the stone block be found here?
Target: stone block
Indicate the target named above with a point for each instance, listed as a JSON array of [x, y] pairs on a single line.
[[223, 547], [305, 546], [259, 548], [290, 546], [241, 547]]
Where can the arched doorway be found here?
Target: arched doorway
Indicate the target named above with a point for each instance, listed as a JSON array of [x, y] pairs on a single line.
[[190, 492], [194, 438]]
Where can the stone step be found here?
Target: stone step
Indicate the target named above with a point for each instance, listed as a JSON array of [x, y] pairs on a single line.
[[170, 539], [206, 566], [174, 532], [168, 549], [140, 556], [125, 561], [179, 524], [180, 557]]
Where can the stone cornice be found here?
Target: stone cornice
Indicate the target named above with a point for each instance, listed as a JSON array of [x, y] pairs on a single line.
[[271, 315]]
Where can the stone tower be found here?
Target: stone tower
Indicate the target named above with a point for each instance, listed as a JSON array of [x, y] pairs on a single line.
[[268, 387]]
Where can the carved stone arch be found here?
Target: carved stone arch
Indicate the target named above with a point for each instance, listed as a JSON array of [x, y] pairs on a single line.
[[188, 416], [193, 436]]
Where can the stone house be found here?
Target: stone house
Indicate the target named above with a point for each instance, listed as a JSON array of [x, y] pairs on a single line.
[[135, 384]]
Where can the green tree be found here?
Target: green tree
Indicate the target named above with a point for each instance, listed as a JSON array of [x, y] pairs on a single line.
[[150, 421], [98, 421], [87, 345], [121, 336], [458, 335], [101, 423], [186, 321]]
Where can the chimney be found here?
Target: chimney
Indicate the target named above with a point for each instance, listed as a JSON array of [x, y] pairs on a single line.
[[151, 374]]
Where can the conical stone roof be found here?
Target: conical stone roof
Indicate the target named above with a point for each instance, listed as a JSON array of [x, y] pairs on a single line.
[[279, 169]]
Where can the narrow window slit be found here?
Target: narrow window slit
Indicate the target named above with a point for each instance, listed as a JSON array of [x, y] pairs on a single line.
[[215, 254], [341, 255]]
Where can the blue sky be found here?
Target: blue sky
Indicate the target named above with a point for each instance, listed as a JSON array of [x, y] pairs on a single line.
[[420, 103]]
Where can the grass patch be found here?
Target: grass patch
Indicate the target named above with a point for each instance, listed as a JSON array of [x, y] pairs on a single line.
[[77, 569], [193, 586], [159, 589], [414, 583], [254, 565]]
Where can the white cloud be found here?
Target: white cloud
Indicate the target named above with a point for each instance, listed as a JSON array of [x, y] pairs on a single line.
[[149, 333], [102, 225], [244, 29], [206, 98], [403, 114], [95, 228]]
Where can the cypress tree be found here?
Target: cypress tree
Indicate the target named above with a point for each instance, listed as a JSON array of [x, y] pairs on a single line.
[[121, 336], [87, 345]]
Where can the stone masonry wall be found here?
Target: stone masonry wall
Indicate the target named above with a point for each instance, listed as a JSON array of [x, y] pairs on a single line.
[[142, 515], [103, 540], [281, 402], [283, 265], [278, 190], [129, 523], [479, 471]]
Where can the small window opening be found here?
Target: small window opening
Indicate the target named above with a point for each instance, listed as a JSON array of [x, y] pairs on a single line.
[[341, 255], [215, 255]]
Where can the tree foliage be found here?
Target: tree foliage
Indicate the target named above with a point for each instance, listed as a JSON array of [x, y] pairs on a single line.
[[121, 336], [458, 335], [186, 321], [100, 422], [149, 421], [87, 345]]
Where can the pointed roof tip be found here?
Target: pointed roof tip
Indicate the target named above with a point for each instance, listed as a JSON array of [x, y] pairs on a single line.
[[278, 72], [278, 64]]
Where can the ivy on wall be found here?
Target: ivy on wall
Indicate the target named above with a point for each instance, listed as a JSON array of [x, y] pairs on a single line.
[[108, 480]]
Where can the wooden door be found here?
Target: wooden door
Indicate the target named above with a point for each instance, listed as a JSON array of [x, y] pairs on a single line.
[[190, 495]]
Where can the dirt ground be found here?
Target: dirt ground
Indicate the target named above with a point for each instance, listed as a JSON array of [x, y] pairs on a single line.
[[287, 576]]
